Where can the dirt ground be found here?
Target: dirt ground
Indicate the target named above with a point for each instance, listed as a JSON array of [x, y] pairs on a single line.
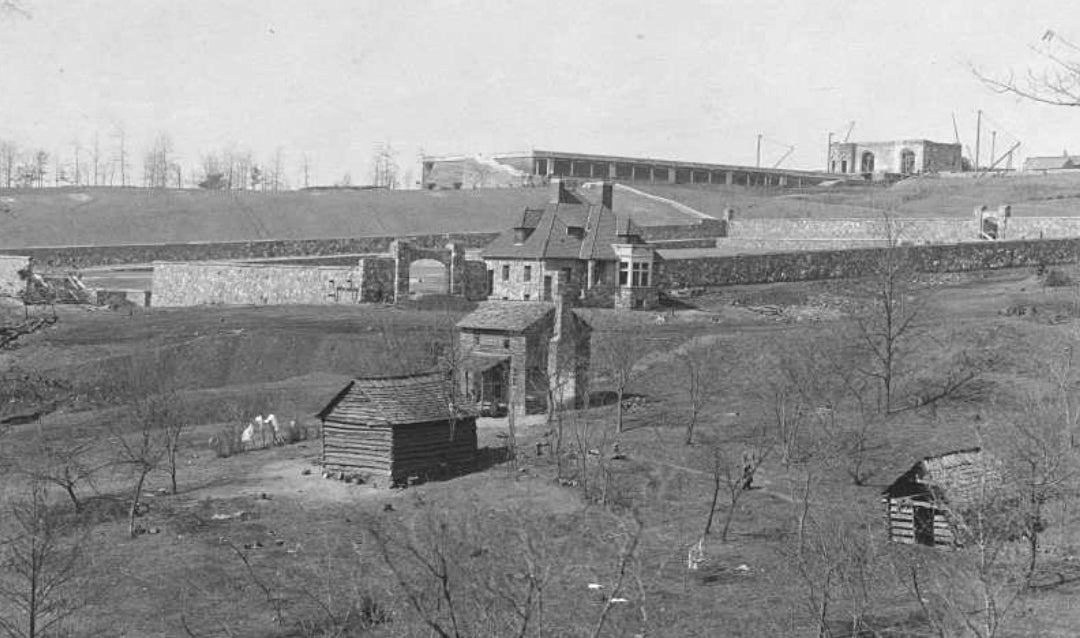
[[570, 512]]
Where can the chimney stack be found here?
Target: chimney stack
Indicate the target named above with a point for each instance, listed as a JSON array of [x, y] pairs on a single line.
[[558, 190], [607, 195]]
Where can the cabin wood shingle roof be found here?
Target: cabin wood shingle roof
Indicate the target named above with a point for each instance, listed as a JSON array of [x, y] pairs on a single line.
[[506, 316], [400, 400], [955, 477]]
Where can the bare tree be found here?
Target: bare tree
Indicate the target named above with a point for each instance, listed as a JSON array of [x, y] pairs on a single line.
[[840, 565], [69, 465], [159, 164], [144, 452], [733, 471], [121, 159], [40, 164], [9, 155], [617, 356], [95, 161], [41, 567], [384, 171], [702, 374], [1057, 83], [305, 170]]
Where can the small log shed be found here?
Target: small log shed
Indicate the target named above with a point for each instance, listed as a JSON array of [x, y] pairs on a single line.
[[389, 430], [919, 506]]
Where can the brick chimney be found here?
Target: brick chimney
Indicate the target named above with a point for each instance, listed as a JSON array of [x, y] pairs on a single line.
[[607, 195], [558, 191]]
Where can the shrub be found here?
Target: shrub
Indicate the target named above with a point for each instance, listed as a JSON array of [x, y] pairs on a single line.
[[1057, 278], [226, 440]]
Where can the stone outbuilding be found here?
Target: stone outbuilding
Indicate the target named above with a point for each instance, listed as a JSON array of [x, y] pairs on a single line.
[[571, 242], [924, 505], [901, 158], [523, 356], [389, 430]]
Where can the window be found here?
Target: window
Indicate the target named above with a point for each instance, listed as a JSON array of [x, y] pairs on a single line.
[[528, 274], [527, 296], [641, 274], [476, 340], [506, 344], [506, 272], [624, 268]]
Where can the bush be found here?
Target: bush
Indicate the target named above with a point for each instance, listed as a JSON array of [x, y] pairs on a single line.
[[1057, 278], [226, 440]]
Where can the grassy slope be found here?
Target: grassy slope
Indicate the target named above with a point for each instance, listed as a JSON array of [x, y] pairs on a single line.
[[108, 216], [1029, 195]]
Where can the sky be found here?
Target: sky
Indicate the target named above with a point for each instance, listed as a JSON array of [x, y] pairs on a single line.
[[691, 80]]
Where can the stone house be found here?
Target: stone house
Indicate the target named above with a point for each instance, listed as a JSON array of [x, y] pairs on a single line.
[[522, 356], [572, 242]]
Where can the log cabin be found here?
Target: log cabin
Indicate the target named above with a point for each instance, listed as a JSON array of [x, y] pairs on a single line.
[[922, 506], [388, 431]]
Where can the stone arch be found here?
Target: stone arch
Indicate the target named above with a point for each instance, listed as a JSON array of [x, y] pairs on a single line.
[[428, 277], [907, 162], [866, 162]]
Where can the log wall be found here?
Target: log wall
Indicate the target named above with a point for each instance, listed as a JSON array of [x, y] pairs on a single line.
[[385, 455]]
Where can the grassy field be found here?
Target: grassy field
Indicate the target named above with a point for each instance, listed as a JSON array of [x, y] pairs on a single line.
[[259, 544], [109, 216]]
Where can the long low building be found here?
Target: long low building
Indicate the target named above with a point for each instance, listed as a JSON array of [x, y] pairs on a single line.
[[535, 166]]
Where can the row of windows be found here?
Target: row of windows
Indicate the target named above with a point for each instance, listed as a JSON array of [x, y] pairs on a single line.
[[636, 276]]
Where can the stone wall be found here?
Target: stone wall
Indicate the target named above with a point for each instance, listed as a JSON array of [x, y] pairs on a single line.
[[833, 264], [75, 257], [749, 244], [192, 284], [11, 284], [706, 228], [907, 231], [1040, 227]]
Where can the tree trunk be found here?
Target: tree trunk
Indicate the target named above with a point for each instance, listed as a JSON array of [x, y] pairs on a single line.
[[619, 409], [136, 494]]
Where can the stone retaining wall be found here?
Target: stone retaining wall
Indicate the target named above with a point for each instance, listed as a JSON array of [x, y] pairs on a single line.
[[834, 264]]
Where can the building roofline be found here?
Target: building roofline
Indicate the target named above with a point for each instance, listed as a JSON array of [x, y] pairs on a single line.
[[668, 163]]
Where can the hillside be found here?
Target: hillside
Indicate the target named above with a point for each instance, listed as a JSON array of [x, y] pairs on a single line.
[[1029, 195], [112, 216]]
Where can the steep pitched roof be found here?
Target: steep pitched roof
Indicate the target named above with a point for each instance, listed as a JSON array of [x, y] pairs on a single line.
[[551, 237], [397, 401], [954, 477], [506, 316]]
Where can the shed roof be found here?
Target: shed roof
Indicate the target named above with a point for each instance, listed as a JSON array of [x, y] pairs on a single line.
[[1049, 163], [401, 400], [954, 476], [506, 316]]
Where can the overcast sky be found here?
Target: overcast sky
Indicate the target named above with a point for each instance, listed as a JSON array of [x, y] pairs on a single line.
[[694, 80]]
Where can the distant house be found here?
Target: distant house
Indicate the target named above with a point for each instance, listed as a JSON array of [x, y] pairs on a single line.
[[923, 505], [1051, 164], [387, 430], [518, 356], [596, 250]]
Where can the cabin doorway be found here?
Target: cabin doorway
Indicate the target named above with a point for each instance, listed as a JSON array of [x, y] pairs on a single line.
[[923, 518]]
